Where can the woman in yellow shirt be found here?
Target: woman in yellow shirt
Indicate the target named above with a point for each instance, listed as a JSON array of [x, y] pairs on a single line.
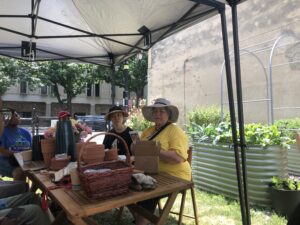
[[174, 145]]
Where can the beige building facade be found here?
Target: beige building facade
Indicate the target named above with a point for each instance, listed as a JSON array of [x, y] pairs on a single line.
[[90, 102], [187, 68]]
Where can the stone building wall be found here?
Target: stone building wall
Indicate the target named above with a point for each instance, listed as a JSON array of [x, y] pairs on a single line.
[[186, 67]]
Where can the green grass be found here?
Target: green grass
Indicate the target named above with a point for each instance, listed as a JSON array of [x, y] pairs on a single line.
[[212, 210]]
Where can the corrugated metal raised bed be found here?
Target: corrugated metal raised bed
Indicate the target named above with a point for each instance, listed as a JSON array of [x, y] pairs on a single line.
[[214, 170], [294, 160]]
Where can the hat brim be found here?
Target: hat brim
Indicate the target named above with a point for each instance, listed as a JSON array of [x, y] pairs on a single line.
[[107, 116], [148, 112]]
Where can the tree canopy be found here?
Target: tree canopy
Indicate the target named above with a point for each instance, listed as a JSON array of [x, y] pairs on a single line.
[[7, 74], [137, 79], [72, 77]]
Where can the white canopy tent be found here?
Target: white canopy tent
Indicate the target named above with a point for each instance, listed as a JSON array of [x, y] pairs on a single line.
[[107, 32], [91, 30]]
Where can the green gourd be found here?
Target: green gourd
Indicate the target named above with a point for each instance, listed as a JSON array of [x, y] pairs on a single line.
[[64, 138]]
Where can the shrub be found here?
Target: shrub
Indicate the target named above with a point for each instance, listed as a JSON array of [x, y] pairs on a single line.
[[289, 126], [207, 115], [137, 121]]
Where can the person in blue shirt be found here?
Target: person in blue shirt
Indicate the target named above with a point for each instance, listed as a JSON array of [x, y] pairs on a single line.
[[13, 139], [22, 208]]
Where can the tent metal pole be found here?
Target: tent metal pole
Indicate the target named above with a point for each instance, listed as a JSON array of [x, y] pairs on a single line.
[[126, 87], [240, 107], [113, 74], [35, 4], [32, 18], [113, 86], [15, 32], [232, 115], [85, 32]]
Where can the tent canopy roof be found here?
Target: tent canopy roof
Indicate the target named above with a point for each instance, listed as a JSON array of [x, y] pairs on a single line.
[[95, 31]]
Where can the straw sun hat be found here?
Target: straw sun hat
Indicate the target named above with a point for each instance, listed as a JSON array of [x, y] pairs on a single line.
[[159, 103], [115, 109]]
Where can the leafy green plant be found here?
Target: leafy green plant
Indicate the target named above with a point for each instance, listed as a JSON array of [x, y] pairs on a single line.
[[289, 126], [207, 115], [286, 183], [137, 121], [255, 134]]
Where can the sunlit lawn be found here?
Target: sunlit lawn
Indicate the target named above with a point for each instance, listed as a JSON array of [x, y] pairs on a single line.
[[212, 210]]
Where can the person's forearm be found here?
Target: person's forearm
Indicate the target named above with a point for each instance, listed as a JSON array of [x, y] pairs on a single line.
[[5, 152], [170, 156]]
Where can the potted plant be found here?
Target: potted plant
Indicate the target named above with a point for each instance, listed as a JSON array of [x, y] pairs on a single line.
[[285, 194]]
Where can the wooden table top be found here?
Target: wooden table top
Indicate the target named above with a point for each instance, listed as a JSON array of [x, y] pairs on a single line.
[[77, 204]]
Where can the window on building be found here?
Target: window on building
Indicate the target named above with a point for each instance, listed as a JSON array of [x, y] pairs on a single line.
[[52, 90], [89, 90], [97, 90], [25, 114], [44, 90], [23, 87]]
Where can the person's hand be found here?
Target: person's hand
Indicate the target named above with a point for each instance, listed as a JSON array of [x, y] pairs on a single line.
[[5, 152]]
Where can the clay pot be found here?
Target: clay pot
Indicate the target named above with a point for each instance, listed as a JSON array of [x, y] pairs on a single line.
[[48, 150], [111, 154], [80, 145], [93, 154], [57, 164]]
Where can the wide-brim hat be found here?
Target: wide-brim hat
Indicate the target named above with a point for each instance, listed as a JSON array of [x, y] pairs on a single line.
[[115, 109], [161, 103]]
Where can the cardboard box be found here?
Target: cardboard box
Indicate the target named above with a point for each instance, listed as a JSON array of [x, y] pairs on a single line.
[[146, 156]]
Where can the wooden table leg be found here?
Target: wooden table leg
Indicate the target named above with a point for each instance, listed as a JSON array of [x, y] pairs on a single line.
[[167, 208], [153, 218]]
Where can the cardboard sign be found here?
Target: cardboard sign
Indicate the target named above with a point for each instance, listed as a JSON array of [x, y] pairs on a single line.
[[146, 156]]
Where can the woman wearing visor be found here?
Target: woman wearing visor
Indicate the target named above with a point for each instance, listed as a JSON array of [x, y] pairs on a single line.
[[13, 139]]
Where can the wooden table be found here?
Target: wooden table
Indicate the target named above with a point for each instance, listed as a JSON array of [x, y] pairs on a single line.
[[78, 207]]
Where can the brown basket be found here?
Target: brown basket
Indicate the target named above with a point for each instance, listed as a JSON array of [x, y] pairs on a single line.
[[105, 184]]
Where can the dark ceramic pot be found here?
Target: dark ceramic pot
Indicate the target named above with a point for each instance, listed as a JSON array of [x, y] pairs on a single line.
[[285, 201]]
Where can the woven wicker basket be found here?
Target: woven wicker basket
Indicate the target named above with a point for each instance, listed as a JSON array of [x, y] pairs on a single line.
[[109, 183]]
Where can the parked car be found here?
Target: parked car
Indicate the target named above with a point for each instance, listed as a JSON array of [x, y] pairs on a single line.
[[96, 122]]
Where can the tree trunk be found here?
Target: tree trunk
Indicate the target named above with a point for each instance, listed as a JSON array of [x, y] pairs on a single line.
[[139, 95], [113, 86], [57, 95], [69, 105]]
